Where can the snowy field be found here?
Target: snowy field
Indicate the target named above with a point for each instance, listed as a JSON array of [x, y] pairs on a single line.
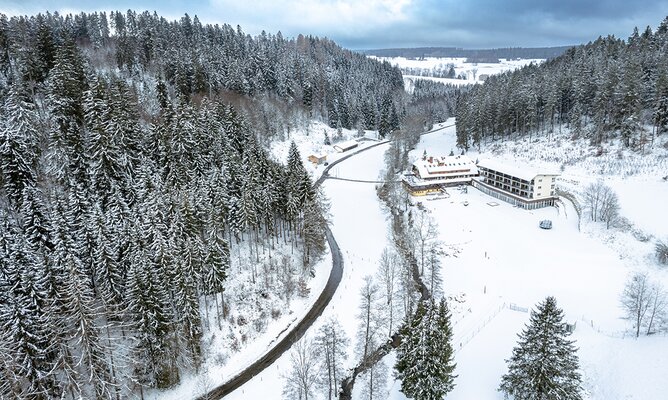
[[313, 142], [471, 71], [499, 256], [499, 262]]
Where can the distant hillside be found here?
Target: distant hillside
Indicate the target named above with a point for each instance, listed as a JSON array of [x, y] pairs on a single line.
[[507, 53], [605, 89]]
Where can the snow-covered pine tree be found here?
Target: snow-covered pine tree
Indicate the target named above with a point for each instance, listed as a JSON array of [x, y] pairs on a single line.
[[18, 145], [27, 335], [187, 305], [443, 353], [108, 276], [150, 305], [313, 231], [215, 266], [425, 357], [661, 103], [79, 312], [406, 367], [544, 364]]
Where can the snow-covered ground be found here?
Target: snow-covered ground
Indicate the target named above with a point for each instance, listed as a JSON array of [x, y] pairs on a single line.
[[500, 261], [312, 142], [473, 72], [359, 226], [499, 256], [222, 363]]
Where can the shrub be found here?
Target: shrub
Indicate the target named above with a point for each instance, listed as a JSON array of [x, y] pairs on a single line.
[[662, 252]]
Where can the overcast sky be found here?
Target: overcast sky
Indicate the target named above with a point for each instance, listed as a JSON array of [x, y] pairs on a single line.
[[369, 24]]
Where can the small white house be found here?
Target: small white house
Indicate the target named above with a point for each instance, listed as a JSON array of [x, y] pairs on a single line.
[[345, 146]]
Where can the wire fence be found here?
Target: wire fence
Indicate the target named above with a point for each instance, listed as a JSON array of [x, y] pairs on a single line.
[[464, 340], [620, 334]]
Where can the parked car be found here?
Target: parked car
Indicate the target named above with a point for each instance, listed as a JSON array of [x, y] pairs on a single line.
[[545, 224]]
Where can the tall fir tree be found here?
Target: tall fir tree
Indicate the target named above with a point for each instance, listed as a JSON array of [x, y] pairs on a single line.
[[425, 358], [18, 146], [544, 364]]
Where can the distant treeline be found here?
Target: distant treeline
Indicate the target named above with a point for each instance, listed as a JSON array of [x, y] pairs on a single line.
[[507, 53], [606, 89]]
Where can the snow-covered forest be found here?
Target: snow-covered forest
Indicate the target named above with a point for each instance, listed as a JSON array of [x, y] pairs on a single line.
[[605, 89], [146, 220], [133, 157]]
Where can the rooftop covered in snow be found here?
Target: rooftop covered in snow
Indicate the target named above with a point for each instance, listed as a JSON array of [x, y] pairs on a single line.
[[439, 166], [520, 171]]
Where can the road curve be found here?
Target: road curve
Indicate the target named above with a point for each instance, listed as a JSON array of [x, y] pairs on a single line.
[[297, 331], [316, 310]]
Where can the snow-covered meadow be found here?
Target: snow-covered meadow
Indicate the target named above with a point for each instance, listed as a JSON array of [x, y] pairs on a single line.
[[499, 257], [430, 67]]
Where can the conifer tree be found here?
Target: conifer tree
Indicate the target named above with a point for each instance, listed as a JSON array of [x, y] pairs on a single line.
[[23, 317], [406, 366], [544, 364], [18, 151], [425, 357]]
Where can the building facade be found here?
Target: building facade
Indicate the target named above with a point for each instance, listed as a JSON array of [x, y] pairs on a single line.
[[317, 159], [432, 174], [521, 187]]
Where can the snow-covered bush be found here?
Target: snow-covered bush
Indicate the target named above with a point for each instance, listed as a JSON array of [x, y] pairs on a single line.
[[662, 252]]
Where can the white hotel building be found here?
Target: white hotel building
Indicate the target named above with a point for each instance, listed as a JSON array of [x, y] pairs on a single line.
[[522, 187], [431, 174]]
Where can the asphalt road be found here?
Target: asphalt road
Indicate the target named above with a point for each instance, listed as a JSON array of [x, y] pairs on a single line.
[[318, 307]]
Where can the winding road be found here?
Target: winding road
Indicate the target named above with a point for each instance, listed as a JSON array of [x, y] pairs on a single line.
[[316, 310]]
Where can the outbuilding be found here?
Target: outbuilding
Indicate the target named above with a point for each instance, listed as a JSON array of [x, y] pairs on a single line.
[[317, 159], [345, 146]]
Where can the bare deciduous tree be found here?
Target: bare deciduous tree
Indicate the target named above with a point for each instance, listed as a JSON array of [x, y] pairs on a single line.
[[332, 344], [609, 207], [304, 372], [636, 299], [657, 306], [601, 202], [374, 382], [370, 320], [423, 231], [287, 279], [388, 274]]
